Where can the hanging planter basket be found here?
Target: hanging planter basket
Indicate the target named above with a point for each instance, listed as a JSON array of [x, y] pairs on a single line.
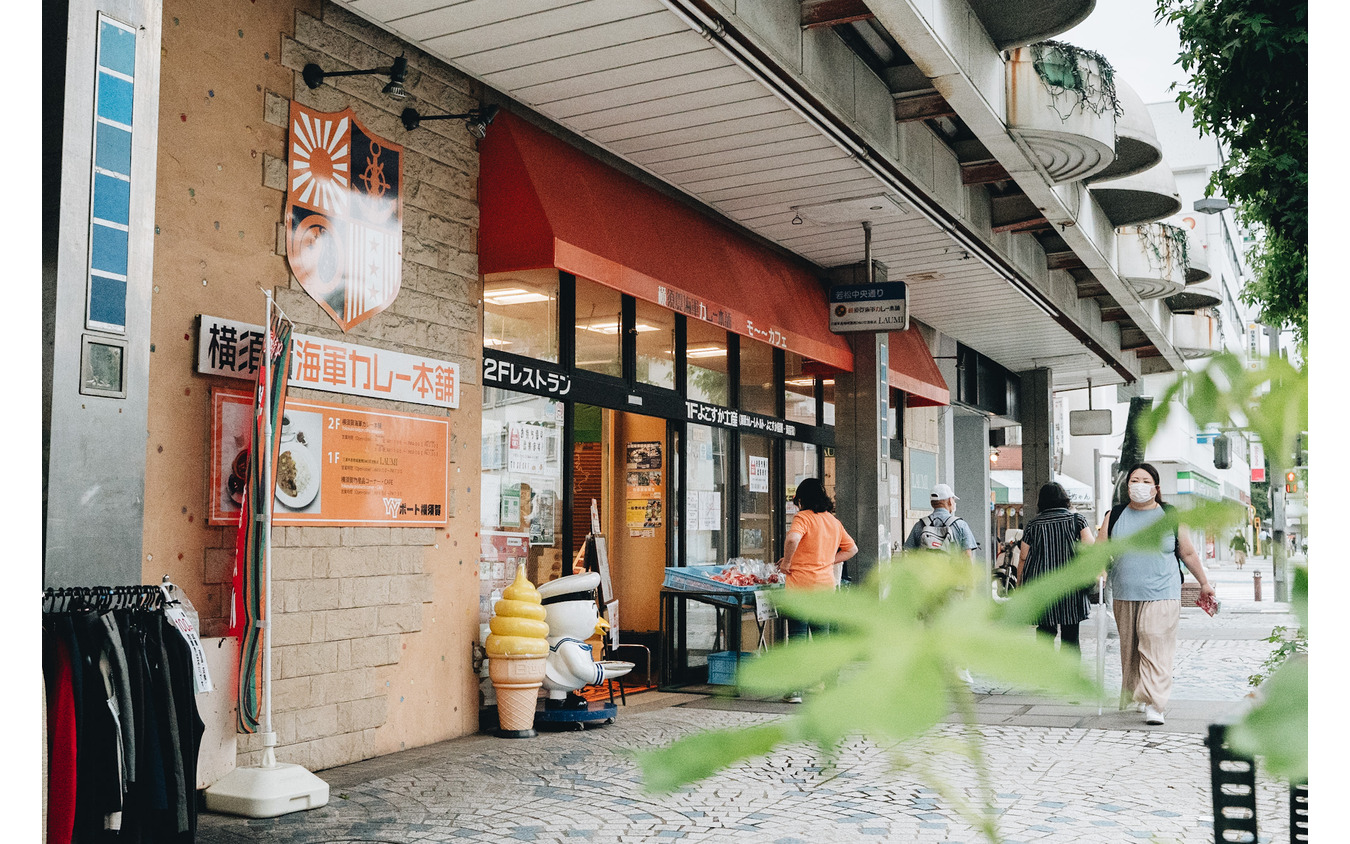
[[1062, 103]]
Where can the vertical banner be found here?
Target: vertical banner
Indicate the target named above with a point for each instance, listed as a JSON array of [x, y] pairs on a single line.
[[251, 545], [344, 214]]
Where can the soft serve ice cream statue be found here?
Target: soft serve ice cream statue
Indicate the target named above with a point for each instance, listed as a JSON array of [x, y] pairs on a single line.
[[569, 604]]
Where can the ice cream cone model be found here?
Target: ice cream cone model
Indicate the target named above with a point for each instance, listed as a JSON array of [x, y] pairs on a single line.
[[517, 651]]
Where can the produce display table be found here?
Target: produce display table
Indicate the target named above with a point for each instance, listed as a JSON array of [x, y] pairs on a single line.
[[731, 607]]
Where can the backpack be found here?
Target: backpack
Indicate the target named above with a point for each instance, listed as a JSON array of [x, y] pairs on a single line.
[[937, 534], [1176, 534]]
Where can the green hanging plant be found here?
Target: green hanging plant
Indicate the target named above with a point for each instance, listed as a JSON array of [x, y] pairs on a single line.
[[1166, 243], [1063, 68]]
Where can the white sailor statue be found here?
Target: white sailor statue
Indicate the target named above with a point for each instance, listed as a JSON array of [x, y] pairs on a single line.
[[570, 607]]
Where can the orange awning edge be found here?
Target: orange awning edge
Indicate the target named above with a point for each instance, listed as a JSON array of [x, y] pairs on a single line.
[[545, 203], [912, 370]]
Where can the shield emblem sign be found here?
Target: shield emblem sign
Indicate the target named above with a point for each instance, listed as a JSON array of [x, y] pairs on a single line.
[[344, 214]]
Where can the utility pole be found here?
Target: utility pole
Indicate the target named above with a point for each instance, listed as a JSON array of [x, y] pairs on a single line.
[[1277, 469]]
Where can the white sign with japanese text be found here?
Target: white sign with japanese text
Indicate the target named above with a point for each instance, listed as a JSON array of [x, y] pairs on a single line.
[[759, 474], [233, 349], [526, 448]]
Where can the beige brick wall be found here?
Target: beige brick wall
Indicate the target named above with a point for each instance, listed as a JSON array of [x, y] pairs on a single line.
[[372, 626]]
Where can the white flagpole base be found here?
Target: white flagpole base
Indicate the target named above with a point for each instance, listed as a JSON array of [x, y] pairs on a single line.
[[268, 790]]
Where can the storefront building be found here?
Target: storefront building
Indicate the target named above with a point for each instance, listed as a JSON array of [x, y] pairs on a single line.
[[554, 323], [642, 357]]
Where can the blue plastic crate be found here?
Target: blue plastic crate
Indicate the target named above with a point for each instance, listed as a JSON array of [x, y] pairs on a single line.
[[722, 667]]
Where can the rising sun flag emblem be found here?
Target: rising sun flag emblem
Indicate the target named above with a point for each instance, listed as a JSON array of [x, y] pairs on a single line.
[[344, 214]]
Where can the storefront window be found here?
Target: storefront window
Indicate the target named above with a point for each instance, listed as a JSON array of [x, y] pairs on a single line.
[[520, 313], [757, 498], [520, 505], [758, 393], [799, 391], [827, 393], [599, 328], [706, 362], [706, 513], [801, 464], [655, 327]]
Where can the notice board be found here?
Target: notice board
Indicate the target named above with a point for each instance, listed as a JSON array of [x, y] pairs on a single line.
[[339, 464]]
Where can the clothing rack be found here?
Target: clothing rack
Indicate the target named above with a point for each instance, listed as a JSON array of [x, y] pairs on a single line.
[[101, 598], [120, 674]]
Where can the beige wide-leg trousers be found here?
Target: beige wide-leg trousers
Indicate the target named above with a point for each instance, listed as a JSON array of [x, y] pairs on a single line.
[[1148, 646]]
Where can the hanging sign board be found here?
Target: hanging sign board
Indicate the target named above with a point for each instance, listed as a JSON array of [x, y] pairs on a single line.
[[338, 464], [883, 306], [1087, 423], [233, 349], [344, 214]]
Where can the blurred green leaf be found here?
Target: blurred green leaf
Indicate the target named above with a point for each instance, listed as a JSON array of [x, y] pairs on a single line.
[[700, 755], [1277, 728]]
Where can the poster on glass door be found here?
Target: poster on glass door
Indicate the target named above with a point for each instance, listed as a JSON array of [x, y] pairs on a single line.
[[526, 448], [759, 474]]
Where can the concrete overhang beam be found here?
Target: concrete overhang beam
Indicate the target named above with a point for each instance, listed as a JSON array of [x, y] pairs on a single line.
[[947, 43]]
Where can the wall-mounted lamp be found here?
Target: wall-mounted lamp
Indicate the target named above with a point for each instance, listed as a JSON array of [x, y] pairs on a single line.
[[993, 456], [475, 120], [398, 71]]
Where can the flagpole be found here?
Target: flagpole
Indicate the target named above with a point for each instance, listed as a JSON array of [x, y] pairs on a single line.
[[269, 737], [271, 788]]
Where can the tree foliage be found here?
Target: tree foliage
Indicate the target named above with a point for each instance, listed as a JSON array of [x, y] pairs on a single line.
[[1248, 67]]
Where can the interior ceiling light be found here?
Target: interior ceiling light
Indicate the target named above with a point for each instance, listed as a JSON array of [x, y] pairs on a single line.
[[476, 120], [613, 327], [513, 296], [800, 382], [495, 342], [706, 352], [398, 72]]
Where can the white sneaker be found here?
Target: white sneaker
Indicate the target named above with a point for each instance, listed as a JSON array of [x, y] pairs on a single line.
[[1152, 716]]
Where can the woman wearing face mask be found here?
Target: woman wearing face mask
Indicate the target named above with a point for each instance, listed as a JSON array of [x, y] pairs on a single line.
[[1146, 586]]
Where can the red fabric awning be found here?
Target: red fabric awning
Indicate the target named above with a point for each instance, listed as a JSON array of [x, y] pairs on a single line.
[[544, 203], [913, 370]]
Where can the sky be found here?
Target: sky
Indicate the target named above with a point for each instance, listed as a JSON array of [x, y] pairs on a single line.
[[1143, 53]]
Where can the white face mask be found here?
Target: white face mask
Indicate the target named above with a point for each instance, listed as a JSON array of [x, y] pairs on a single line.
[[1140, 493]]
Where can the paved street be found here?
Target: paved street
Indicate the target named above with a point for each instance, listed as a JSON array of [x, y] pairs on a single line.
[[1061, 772]]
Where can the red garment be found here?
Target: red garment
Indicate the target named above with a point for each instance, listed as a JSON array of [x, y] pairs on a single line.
[[61, 762]]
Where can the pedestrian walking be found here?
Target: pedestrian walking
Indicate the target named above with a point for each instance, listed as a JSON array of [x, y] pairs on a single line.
[[813, 555], [1049, 541], [1239, 545], [1147, 595], [942, 528]]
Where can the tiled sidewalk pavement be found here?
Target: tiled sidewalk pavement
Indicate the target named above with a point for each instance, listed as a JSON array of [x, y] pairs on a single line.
[[1052, 785], [1061, 773]]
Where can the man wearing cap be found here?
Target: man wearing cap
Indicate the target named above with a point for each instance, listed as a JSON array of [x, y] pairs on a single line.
[[943, 501]]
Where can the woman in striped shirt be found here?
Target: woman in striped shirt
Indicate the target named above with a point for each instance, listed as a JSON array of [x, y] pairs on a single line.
[[1049, 541]]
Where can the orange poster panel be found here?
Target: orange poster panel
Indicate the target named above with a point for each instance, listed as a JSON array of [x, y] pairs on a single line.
[[338, 464]]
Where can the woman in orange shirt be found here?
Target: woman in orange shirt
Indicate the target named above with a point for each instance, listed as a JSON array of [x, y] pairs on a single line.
[[817, 546]]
